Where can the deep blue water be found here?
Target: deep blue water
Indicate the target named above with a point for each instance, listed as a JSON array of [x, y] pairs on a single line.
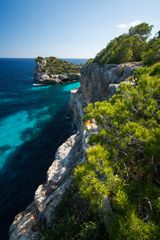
[[34, 121]]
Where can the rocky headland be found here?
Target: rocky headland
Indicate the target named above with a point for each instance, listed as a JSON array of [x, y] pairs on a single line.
[[51, 70], [119, 170], [97, 83]]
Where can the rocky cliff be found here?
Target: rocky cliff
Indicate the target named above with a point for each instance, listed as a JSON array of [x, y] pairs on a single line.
[[40, 212], [97, 83]]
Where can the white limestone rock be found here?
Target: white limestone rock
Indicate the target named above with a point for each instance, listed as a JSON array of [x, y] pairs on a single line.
[[28, 224]]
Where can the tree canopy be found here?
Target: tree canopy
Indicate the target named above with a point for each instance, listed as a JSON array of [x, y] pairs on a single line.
[[143, 31], [152, 52], [122, 49]]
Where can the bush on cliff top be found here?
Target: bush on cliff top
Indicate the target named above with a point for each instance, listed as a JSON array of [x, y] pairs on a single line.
[[121, 176], [142, 30], [74, 220], [53, 65], [131, 47], [152, 52]]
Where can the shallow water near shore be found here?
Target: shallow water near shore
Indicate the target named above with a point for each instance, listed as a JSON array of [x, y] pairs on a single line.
[[34, 121]]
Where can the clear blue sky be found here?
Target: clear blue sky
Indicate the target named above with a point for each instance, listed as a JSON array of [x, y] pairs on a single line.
[[68, 28]]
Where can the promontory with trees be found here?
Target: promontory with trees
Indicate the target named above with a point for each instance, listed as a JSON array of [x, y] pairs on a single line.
[[52, 70]]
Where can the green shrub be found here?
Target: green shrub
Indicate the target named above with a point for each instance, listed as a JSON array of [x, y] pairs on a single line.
[[74, 220], [143, 31], [152, 52]]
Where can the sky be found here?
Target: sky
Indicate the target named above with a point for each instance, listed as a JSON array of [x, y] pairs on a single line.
[[69, 28]]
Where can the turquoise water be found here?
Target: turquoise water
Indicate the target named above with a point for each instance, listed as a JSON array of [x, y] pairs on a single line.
[[34, 121], [13, 126]]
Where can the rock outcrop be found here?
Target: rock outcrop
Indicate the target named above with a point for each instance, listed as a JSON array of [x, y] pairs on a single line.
[[52, 70], [44, 79], [100, 82], [97, 83], [28, 224]]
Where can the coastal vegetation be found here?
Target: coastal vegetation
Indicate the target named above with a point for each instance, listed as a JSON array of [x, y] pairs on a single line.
[[116, 191], [131, 47], [53, 65], [75, 220], [120, 177], [152, 51]]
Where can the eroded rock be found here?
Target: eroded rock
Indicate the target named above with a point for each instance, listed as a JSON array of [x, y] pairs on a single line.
[[28, 224], [100, 82]]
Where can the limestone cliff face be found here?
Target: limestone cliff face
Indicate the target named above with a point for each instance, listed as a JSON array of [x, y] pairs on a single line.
[[97, 83], [28, 224], [100, 82]]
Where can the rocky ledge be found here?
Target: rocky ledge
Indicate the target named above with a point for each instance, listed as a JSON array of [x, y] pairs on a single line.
[[43, 78], [28, 224]]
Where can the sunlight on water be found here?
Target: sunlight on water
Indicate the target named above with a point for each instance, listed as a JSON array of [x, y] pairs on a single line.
[[39, 88], [71, 86]]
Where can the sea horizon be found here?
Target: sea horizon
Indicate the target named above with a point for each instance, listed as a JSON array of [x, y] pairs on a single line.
[[43, 57]]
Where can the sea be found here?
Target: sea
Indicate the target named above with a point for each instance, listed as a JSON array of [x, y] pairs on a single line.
[[34, 122]]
